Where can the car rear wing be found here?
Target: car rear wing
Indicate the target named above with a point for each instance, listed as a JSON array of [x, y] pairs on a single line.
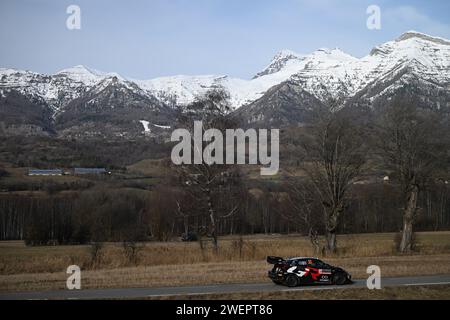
[[274, 260]]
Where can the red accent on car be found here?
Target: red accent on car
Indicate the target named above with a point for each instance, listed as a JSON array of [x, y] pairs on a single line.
[[314, 273]]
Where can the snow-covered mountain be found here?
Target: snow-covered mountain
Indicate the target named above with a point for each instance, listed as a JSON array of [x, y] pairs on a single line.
[[415, 62], [56, 90], [287, 82], [59, 89], [325, 73]]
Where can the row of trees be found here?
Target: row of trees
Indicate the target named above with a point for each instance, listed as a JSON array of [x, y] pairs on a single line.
[[112, 215], [339, 150], [410, 143]]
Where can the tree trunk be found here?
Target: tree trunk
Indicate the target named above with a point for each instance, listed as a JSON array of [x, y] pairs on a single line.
[[408, 219], [314, 238], [331, 241], [213, 231], [186, 225], [331, 223]]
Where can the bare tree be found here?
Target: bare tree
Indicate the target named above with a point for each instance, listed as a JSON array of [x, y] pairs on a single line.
[[300, 210], [205, 183], [96, 251], [131, 250], [412, 143], [160, 213], [335, 156]]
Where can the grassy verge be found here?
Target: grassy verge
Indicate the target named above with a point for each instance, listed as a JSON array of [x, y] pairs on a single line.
[[435, 292], [176, 263], [16, 258]]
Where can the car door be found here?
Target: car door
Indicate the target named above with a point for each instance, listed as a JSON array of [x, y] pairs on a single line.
[[298, 267], [319, 271]]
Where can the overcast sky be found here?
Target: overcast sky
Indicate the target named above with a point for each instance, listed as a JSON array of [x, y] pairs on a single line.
[[146, 39]]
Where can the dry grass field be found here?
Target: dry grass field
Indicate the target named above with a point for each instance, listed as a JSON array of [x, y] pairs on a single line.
[[439, 292], [239, 260]]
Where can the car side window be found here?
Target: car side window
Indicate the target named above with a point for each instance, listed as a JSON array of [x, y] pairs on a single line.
[[316, 264], [301, 263]]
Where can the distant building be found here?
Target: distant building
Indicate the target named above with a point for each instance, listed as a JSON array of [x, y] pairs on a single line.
[[90, 171], [45, 172]]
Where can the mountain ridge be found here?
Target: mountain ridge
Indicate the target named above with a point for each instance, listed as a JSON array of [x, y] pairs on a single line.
[[325, 74], [183, 89]]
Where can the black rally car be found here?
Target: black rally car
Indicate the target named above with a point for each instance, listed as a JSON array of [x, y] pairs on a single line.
[[305, 270]]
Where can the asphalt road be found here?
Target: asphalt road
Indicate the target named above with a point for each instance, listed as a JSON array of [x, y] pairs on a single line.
[[205, 289]]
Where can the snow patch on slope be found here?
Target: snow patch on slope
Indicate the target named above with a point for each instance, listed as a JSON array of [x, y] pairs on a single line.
[[146, 124]]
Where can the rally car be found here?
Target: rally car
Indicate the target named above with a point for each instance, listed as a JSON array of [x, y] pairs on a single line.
[[305, 270]]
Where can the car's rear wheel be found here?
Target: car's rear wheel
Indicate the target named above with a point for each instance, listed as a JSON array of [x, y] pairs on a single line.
[[339, 278], [291, 280]]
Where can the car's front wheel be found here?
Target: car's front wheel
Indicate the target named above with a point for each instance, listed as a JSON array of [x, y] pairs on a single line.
[[291, 280], [339, 278]]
